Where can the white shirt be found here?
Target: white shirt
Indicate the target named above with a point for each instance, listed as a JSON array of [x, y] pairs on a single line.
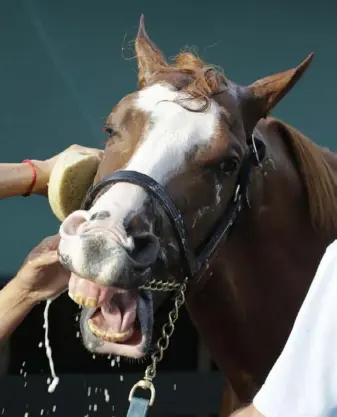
[[303, 381]]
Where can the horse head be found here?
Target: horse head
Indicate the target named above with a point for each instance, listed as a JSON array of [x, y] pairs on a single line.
[[186, 128]]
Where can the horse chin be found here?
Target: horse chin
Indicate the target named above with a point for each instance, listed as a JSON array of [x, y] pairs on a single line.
[[122, 326]]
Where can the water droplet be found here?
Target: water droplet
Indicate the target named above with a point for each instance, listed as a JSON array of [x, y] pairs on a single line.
[[106, 396], [53, 385]]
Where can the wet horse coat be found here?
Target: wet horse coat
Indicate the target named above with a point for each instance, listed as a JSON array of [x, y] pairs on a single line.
[[270, 259], [188, 128]]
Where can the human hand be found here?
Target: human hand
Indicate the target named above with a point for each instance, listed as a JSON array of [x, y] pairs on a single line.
[[45, 168], [42, 276]]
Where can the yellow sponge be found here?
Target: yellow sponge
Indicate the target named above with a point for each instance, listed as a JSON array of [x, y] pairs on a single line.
[[69, 181]]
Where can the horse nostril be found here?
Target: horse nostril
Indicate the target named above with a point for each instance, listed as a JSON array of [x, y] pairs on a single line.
[[73, 223], [100, 215], [146, 249]]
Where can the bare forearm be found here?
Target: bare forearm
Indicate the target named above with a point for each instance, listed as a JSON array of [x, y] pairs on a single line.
[[15, 179], [15, 304]]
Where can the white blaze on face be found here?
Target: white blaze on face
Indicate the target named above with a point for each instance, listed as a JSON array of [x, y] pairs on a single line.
[[171, 134]]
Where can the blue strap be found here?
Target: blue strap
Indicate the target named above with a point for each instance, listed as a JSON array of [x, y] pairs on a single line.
[[138, 407]]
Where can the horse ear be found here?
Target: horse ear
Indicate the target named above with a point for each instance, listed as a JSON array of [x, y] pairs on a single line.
[[259, 98], [150, 58]]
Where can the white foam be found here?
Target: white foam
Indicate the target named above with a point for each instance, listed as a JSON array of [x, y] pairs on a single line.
[[55, 380]]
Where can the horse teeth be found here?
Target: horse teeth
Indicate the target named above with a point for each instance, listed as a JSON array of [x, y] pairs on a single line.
[[118, 337], [79, 298], [109, 336], [91, 302]]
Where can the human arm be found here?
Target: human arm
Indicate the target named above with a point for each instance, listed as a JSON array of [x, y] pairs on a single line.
[[41, 277], [15, 304], [17, 178]]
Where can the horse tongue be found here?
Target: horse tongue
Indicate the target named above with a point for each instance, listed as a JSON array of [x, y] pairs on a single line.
[[112, 316], [120, 314]]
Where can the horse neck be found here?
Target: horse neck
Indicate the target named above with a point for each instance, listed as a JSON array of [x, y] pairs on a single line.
[[248, 300]]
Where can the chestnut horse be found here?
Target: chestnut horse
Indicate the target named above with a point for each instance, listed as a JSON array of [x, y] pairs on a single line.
[[203, 185]]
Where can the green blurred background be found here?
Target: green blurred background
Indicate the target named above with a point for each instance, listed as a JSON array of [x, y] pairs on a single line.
[[62, 70]]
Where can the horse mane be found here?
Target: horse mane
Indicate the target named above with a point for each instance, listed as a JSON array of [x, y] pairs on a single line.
[[317, 176], [191, 74]]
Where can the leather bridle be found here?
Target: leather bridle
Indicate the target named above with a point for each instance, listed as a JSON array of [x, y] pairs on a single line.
[[191, 262]]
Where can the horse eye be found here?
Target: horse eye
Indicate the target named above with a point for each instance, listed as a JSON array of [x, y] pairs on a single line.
[[110, 131]]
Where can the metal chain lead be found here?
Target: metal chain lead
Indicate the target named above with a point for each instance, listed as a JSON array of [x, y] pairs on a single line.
[[166, 333], [154, 285]]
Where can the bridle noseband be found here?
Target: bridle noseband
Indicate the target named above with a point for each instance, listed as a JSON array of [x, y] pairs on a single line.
[[192, 263]]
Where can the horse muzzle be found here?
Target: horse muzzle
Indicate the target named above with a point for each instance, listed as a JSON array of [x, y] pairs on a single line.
[[105, 253]]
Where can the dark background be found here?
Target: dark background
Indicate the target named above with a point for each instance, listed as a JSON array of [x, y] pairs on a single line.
[[64, 65]]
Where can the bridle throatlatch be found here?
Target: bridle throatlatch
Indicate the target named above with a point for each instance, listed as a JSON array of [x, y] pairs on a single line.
[[192, 263]]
